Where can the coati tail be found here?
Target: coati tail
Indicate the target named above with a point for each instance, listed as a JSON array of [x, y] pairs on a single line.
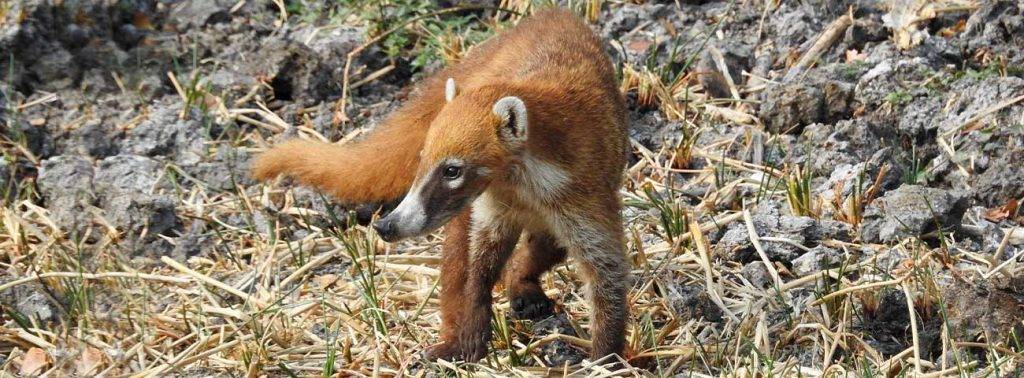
[[377, 169]]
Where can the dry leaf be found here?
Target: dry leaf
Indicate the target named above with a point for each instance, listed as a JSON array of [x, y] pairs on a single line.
[[853, 55], [326, 280], [951, 31], [141, 20], [639, 45], [1016, 235], [1000, 213], [89, 361], [731, 115], [34, 362], [905, 17], [902, 20]]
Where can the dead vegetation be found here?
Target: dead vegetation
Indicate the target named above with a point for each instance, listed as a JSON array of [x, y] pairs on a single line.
[[293, 290]]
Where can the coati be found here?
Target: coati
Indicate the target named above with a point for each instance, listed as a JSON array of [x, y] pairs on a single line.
[[526, 134]]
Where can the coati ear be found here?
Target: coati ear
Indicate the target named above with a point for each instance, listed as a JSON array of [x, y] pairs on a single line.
[[449, 90], [512, 112]]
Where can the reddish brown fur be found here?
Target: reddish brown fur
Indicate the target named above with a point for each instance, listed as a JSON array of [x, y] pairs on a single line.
[[576, 122], [576, 126], [454, 262], [348, 172], [522, 275]]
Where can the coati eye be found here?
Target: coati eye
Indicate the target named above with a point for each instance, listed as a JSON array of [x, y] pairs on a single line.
[[452, 172]]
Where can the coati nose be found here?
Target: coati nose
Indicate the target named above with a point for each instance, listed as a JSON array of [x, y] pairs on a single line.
[[386, 229]]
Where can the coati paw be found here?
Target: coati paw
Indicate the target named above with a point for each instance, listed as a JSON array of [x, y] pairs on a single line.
[[474, 346], [444, 350], [474, 335], [532, 305], [466, 350]]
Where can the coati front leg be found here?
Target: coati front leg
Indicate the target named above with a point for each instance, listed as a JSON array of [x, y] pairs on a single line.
[[522, 276], [494, 237], [491, 240], [454, 266]]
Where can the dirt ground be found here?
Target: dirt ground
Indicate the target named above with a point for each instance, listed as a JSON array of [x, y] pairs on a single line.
[[815, 188]]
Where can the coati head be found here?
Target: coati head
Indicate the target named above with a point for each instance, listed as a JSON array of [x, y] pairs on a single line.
[[470, 144]]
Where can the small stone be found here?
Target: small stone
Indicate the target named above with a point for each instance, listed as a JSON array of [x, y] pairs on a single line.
[[558, 353], [912, 211], [757, 274], [61, 175], [165, 135], [691, 302], [816, 260], [786, 108], [128, 174], [768, 221], [5, 179], [29, 300], [197, 13], [986, 310]]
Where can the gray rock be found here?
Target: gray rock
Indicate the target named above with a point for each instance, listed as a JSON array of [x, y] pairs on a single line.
[[29, 300], [988, 310], [990, 147], [795, 24], [558, 353], [61, 176], [229, 167], [857, 144], [46, 38], [786, 108], [56, 70], [96, 138], [912, 211], [735, 245], [195, 13], [227, 81], [130, 189], [988, 235], [970, 96], [6, 183], [817, 259], [757, 274], [164, 134], [332, 48], [128, 174], [996, 27], [919, 116], [36, 306], [134, 213], [652, 130], [889, 81], [691, 302], [194, 241], [306, 72], [625, 19], [1003, 180]]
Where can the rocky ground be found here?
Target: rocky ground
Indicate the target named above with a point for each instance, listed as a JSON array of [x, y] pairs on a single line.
[[816, 187]]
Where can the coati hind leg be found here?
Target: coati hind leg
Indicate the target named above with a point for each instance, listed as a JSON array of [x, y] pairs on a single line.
[[522, 276], [597, 245]]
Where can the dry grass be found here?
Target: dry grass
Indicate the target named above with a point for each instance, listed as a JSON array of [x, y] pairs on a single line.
[[337, 301]]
